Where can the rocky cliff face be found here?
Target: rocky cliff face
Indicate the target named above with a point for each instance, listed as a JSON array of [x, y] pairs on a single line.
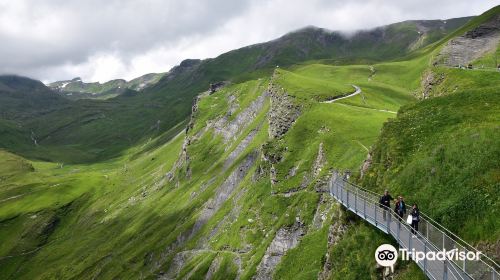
[[284, 111], [429, 81], [230, 129], [224, 191], [335, 233], [285, 239], [472, 45]]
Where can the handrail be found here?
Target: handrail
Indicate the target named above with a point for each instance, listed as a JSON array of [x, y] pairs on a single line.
[[372, 197], [395, 215], [438, 225]]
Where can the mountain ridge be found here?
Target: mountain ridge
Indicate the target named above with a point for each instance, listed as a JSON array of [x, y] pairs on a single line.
[[77, 89], [125, 120]]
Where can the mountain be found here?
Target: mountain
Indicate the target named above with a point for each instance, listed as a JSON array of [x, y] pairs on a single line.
[[91, 129], [76, 89], [23, 99], [231, 183]]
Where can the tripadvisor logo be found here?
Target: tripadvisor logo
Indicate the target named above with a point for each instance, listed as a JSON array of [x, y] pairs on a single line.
[[441, 255], [387, 255]]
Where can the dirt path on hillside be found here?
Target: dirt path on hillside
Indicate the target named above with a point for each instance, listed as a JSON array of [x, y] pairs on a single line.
[[368, 108], [356, 92]]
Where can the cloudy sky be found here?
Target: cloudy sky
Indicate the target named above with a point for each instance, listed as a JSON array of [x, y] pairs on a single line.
[[102, 40]]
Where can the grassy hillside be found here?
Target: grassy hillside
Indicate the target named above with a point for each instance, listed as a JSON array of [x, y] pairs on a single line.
[[142, 210], [444, 143], [442, 152]]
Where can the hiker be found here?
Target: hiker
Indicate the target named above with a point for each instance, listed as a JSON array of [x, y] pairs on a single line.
[[415, 218], [385, 202], [400, 208]]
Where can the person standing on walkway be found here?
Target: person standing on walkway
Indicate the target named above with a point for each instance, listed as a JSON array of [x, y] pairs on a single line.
[[400, 208], [415, 218], [385, 203]]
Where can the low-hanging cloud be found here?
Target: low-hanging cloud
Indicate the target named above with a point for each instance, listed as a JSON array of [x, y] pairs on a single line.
[[101, 40]]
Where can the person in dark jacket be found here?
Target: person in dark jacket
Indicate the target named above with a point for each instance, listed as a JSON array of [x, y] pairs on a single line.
[[415, 218], [400, 207], [385, 202]]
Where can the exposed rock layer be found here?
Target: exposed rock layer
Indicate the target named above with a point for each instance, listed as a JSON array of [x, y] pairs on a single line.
[[472, 45], [285, 239], [283, 112]]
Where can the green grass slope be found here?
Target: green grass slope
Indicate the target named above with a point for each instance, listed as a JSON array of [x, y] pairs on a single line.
[[443, 144], [115, 218]]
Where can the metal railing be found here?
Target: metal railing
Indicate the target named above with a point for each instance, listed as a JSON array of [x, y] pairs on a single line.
[[431, 236]]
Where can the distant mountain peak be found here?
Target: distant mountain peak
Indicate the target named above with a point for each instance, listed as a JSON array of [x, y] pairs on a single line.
[[77, 89]]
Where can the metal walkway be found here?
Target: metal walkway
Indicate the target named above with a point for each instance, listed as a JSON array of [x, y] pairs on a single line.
[[430, 237]]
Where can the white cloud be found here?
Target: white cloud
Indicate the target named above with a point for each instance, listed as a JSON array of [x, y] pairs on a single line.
[[102, 40]]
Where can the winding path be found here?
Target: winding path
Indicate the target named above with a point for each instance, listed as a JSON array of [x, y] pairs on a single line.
[[337, 98], [356, 92], [368, 108]]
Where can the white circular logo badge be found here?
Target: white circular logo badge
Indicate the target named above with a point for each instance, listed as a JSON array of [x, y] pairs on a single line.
[[386, 255]]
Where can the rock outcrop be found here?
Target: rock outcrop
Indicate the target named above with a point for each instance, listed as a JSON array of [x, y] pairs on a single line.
[[367, 163], [224, 191], [324, 206], [229, 129], [183, 161], [285, 239], [429, 81], [335, 233], [284, 111], [472, 45], [320, 161], [239, 149], [214, 87], [194, 109]]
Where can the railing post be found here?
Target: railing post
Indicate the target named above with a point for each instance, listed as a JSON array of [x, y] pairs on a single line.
[[442, 234], [388, 216], [364, 207], [399, 230], [356, 200], [426, 229], [347, 192], [493, 274], [409, 244], [342, 195], [425, 258], [338, 188], [445, 271], [335, 189], [375, 208]]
